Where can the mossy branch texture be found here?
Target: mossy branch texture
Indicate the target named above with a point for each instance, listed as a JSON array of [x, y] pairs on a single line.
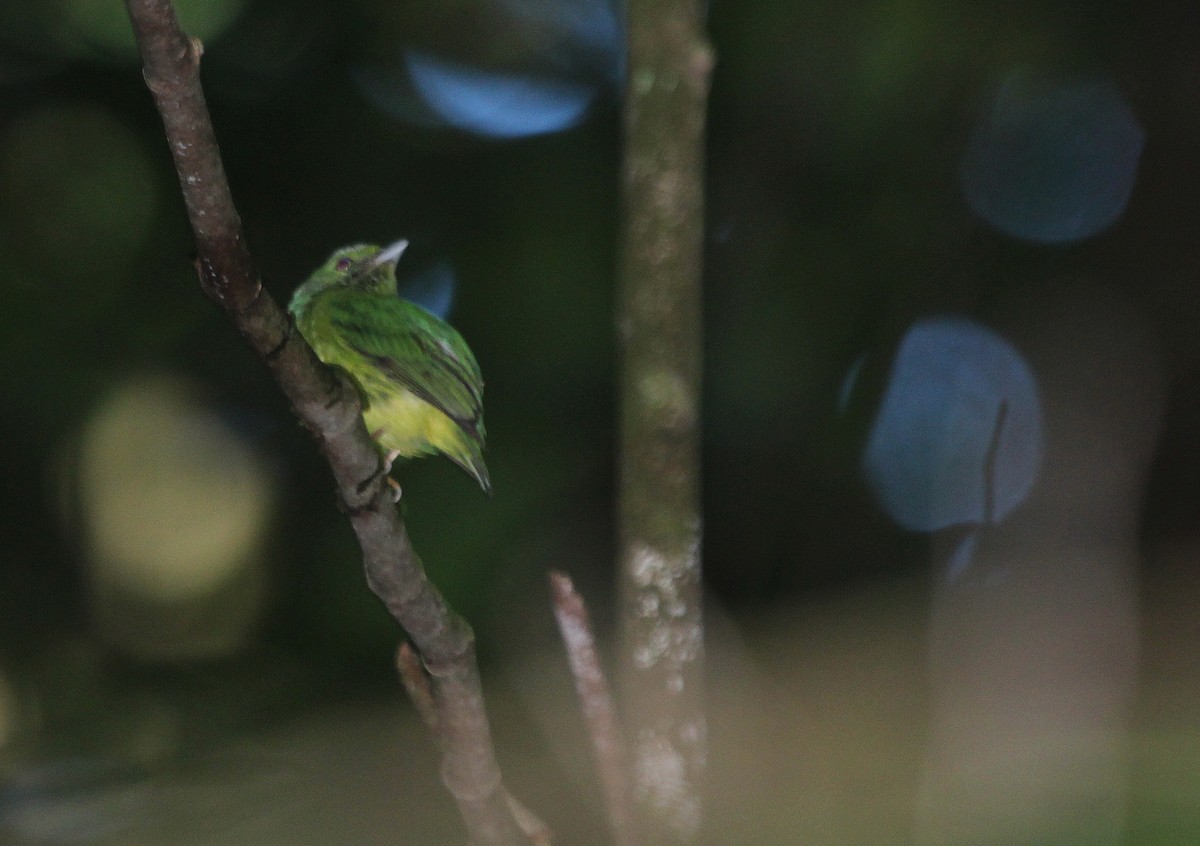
[[329, 407], [659, 331]]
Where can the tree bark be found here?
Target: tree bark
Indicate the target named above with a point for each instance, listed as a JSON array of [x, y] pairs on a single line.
[[659, 333]]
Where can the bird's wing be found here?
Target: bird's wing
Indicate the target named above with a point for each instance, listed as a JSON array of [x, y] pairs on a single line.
[[413, 349]]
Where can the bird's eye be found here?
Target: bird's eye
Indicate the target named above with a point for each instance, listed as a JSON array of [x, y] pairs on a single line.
[[343, 264]]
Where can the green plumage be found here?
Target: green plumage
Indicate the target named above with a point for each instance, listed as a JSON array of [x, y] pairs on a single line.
[[421, 387]]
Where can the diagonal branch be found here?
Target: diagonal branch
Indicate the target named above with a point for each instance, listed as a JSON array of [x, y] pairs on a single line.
[[329, 407]]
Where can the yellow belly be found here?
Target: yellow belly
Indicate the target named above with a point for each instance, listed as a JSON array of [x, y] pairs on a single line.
[[406, 424]]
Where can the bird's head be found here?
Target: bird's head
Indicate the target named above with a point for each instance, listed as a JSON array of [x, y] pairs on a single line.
[[366, 267]]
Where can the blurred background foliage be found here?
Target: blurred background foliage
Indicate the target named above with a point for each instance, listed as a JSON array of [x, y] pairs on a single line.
[[174, 570]]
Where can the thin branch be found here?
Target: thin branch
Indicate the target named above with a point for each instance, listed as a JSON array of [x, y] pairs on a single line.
[[531, 825], [659, 332], [330, 410], [599, 713]]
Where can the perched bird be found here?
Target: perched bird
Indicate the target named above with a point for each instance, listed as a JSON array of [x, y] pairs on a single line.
[[420, 384]]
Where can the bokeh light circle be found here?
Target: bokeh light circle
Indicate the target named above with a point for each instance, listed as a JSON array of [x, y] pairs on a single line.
[[78, 194], [957, 439], [173, 498], [1052, 160]]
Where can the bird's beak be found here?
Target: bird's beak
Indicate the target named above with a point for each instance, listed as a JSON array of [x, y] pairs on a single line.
[[391, 253]]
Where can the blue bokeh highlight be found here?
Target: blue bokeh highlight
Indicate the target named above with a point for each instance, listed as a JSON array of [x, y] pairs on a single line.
[[432, 288], [495, 104], [957, 439], [1052, 160], [556, 59]]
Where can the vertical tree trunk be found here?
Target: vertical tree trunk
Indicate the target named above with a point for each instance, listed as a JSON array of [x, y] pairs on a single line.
[[659, 333]]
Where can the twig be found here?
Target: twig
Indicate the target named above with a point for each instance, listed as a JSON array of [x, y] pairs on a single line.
[[596, 701], [531, 825], [330, 410], [659, 332]]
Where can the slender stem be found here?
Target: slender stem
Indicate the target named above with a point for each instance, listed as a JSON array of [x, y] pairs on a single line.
[[659, 331], [330, 409], [596, 700]]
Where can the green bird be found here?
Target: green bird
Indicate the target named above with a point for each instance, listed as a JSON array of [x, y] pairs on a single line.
[[421, 388]]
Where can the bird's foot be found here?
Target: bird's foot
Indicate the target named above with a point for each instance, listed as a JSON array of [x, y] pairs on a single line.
[[388, 460], [392, 483]]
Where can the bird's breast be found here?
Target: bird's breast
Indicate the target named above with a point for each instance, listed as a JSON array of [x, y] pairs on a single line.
[[403, 422]]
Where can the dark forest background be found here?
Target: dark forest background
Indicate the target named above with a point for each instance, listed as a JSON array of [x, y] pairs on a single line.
[[188, 652]]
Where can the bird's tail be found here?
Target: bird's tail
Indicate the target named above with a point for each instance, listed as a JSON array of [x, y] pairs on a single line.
[[471, 460]]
